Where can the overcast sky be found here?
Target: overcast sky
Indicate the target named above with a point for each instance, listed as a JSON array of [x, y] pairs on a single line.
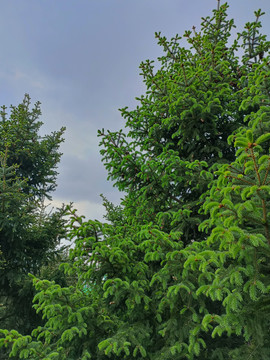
[[80, 59]]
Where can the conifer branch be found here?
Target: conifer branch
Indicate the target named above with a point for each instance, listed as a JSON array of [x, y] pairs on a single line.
[[255, 166], [240, 179], [265, 221], [266, 173]]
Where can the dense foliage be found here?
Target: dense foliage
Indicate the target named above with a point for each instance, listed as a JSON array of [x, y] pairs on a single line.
[[181, 269], [28, 235], [37, 156]]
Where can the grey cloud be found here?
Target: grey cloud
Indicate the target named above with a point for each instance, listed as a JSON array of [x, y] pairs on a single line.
[[82, 179]]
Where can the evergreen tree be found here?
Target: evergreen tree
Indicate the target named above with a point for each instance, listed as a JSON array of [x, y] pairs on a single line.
[[37, 156], [28, 235], [190, 108], [180, 270]]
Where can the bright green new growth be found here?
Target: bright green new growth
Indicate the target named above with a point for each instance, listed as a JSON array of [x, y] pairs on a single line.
[[181, 269]]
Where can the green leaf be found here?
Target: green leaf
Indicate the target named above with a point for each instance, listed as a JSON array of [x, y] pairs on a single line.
[[263, 138], [250, 136]]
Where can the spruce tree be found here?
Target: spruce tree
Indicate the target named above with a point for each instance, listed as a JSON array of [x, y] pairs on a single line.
[[180, 270], [28, 235], [37, 156]]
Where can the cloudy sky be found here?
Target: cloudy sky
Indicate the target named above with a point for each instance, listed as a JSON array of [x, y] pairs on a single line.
[[81, 59]]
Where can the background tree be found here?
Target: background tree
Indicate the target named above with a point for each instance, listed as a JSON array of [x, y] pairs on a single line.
[[37, 156], [28, 235], [151, 282]]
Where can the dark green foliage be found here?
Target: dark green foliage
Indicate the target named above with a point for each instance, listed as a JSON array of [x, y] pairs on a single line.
[[37, 157], [181, 269], [28, 235]]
